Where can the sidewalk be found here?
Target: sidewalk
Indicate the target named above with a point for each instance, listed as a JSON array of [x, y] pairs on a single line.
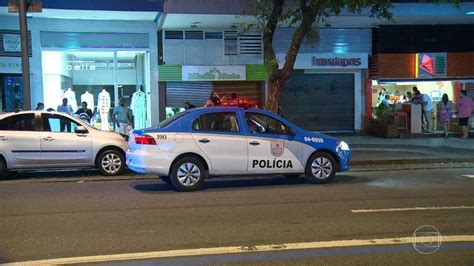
[[368, 150]]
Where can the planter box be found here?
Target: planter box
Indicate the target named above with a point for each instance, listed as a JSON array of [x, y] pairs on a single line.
[[383, 131]]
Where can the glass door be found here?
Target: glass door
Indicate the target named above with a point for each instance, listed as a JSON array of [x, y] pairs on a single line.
[[132, 84]]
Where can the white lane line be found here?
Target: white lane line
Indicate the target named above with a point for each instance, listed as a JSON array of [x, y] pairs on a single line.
[[241, 249], [413, 209], [470, 176]]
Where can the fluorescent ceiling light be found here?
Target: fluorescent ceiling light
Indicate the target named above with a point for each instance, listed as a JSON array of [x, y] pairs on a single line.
[[470, 13]]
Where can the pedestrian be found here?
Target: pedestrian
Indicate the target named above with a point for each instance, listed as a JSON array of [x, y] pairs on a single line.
[[381, 97], [65, 126], [65, 107], [427, 112], [465, 108], [188, 105], [122, 116], [214, 100], [39, 106], [416, 96], [446, 114], [84, 113]]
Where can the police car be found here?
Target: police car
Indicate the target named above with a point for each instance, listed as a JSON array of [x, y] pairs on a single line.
[[195, 144]]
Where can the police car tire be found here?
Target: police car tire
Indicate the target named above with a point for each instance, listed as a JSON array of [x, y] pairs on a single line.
[[165, 178], [174, 174], [115, 154], [326, 157]]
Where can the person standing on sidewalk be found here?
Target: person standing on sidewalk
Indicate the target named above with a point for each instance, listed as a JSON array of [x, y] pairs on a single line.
[[427, 112], [464, 107], [445, 111], [122, 117]]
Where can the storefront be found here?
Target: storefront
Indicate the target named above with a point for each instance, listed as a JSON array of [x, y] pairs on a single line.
[[12, 95], [324, 91], [195, 84], [79, 58], [99, 69], [434, 74]]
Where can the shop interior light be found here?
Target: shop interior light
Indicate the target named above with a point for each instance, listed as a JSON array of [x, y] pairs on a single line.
[[470, 13], [416, 66]]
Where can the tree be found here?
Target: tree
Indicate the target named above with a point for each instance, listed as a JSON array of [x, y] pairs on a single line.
[[302, 14]]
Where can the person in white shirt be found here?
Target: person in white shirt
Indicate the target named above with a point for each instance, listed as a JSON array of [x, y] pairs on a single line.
[[428, 112]]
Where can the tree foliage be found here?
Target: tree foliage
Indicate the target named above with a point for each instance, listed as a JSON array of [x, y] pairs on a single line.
[[303, 15]]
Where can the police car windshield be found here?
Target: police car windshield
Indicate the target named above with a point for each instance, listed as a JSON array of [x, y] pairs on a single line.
[[170, 120]]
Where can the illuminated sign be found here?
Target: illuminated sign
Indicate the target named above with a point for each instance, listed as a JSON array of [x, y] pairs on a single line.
[[430, 65], [209, 73], [327, 60], [336, 61]]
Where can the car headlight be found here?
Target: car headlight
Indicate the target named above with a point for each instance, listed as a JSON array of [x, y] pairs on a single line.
[[343, 146]]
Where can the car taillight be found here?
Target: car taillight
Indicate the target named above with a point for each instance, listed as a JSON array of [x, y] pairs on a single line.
[[145, 140]]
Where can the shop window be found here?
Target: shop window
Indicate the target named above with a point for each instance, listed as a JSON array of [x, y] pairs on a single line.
[[173, 34]]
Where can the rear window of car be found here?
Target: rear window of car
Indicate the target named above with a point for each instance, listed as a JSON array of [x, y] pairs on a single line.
[[18, 122], [170, 120]]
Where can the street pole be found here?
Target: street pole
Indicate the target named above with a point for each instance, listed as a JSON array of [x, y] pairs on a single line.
[[25, 58]]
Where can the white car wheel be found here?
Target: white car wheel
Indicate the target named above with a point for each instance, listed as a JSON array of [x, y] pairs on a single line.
[[321, 168], [111, 162], [3, 168], [187, 174]]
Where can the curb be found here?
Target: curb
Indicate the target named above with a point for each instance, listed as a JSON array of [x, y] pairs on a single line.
[[411, 161]]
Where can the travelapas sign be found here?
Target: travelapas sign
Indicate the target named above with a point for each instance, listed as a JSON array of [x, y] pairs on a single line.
[[209, 73], [336, 61]]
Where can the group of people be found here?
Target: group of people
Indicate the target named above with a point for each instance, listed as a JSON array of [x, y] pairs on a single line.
[[122, 115], [445, 109], [216, 100]]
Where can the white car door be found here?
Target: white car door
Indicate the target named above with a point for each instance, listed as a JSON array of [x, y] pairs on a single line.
[[219, 136], [271, 149], [60, 145], [20, 140]]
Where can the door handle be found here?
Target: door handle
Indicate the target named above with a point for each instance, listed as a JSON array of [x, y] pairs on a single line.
[[2, 138], [204, 141], [48, 138], [254, 143]]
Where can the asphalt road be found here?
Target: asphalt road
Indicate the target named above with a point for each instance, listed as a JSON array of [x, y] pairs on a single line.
[[70, 217]]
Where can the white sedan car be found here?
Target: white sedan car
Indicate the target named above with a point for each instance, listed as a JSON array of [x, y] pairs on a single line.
[[39, 139]]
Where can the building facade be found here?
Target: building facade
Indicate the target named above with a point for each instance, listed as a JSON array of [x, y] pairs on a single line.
[[85, 56]]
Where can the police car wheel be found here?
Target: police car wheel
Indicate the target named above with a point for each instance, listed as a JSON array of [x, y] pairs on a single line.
[[111, 162], [321, 168], [187, 174], [165, 179]]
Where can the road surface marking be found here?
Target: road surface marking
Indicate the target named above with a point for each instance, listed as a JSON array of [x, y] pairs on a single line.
[[241, 249], [413, 209], [470, 176]]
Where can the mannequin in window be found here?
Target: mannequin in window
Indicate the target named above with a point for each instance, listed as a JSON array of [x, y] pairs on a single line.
[[103, 107], [89, 99], [138, 107], [70, 95]]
